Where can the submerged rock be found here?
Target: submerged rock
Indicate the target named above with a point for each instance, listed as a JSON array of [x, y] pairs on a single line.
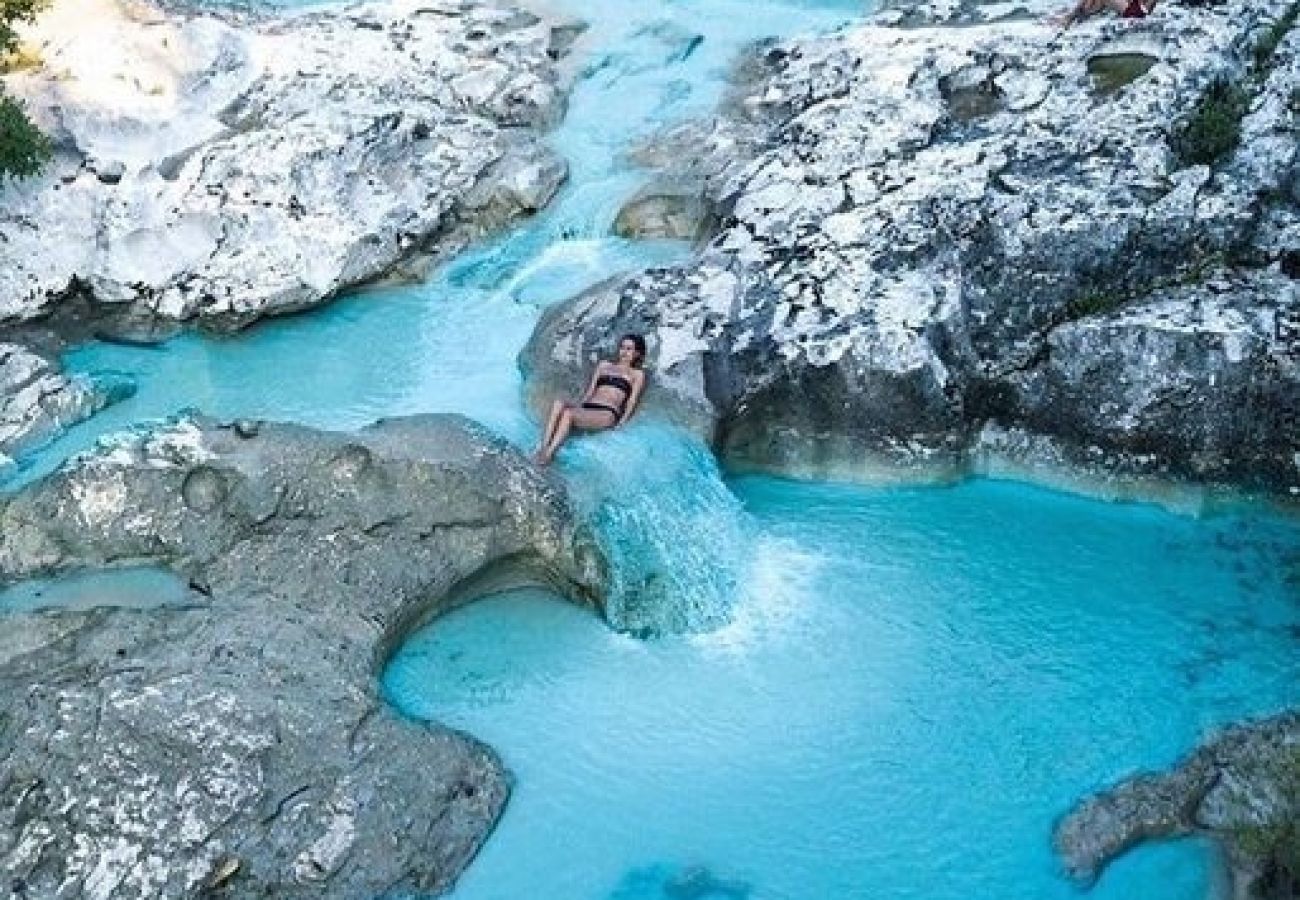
[[226, 170], [678, 215], [238, 740], [1242, 788], [926, 231]]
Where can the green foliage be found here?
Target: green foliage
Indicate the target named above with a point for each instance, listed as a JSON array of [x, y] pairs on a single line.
[[1268, 44], [13, 12], [1277, 851], [23, 149], [1094, 304], [1277, 847], [1214, 128]]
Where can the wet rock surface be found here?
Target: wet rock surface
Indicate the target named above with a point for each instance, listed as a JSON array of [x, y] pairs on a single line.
[[225, 169], [678, 215], [1241, 788], [928, 230], [237, 741], [37, 402]]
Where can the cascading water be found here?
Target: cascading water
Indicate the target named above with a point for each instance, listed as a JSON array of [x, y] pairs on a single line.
[[450, 344], [675, 536], [890, 694]]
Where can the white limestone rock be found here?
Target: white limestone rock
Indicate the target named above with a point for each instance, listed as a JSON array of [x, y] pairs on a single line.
[[222, 171], [37, 402], [909, 214]]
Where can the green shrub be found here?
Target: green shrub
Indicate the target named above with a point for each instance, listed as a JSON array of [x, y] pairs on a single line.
[[1268, 44], [1093, 304], [1214, 128], [11, 13], [23, 149]]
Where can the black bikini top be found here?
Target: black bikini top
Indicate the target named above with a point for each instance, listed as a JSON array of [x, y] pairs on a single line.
[[617, 381]]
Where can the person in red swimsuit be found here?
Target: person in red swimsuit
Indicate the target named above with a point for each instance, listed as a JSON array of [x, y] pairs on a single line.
[[1125, 9]]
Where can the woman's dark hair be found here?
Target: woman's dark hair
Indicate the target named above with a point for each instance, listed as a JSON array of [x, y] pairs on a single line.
[[639, 343]]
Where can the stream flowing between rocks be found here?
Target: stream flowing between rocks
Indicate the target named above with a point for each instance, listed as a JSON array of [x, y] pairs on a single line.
[[896, 691]]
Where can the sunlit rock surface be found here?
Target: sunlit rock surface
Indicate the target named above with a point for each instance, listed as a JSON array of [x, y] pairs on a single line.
[[224, 170], [925, 230], [1243, 788], [238, 741]]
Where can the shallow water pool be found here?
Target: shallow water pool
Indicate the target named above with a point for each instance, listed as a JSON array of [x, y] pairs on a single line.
[[916, 684]]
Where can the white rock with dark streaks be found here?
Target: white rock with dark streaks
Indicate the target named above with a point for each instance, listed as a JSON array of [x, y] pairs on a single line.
[[229, 171], [908, 215], [37, 402]]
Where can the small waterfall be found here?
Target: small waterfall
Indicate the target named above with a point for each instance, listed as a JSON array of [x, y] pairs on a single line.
[[677, 539]]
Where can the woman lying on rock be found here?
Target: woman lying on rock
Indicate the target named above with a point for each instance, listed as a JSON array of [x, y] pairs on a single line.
[[611, 398], [1125, 9]]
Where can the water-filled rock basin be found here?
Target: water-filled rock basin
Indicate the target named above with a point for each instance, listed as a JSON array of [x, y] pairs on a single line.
[[913, 684], [916, 684], [130, 587], [1111, 72]]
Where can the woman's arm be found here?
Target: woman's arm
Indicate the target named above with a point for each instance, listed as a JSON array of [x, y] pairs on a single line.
[[591, 385], [638, 384]]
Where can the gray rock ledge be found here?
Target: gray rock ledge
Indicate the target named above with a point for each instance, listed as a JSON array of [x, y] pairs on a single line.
[[238, 741], [1242, 788]]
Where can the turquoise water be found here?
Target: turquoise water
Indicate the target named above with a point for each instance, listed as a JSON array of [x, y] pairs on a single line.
[[889, 693], [915, 685], [134, 587]]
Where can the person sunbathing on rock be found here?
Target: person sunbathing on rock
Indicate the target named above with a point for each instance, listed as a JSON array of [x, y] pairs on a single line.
[[611, 398], [1125, 9]]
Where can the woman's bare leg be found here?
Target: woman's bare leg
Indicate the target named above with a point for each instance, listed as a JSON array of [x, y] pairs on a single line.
[[570, 417], [552, 422]]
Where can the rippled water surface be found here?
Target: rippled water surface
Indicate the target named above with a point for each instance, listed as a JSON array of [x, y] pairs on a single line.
[[915, 685]]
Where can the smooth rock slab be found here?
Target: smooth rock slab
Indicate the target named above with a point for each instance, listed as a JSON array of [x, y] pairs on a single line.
[[239, 740], [677, 215]]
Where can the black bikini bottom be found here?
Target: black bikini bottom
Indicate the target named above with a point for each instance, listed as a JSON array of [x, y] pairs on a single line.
[[603, 408]]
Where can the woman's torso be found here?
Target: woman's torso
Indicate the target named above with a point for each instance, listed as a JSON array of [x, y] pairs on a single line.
[[613, 386]]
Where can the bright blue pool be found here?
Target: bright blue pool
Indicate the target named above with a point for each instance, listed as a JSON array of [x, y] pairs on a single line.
[[916, 683], [897, 691]]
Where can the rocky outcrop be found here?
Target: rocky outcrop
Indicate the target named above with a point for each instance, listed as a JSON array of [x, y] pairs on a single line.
[[928, 231], [222, 171], [676, 215], [37, 401], [1242, 789], [237, 740]]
